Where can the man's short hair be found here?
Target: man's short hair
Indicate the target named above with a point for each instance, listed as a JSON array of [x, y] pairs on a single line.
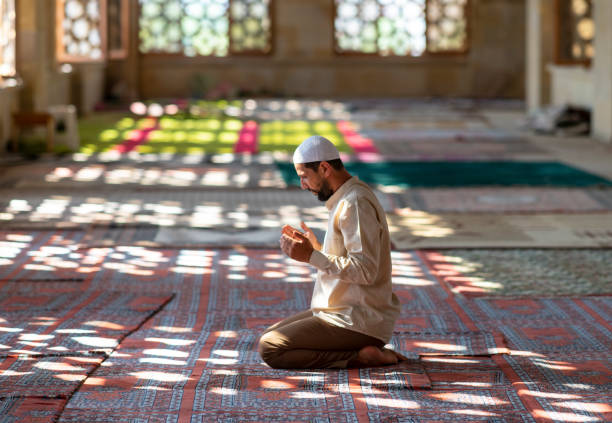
[[335, 163]]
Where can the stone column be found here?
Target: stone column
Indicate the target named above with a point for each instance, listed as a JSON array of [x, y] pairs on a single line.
[[602, 71], [42, 83], [540, 28], [8, 105], [533, 71]]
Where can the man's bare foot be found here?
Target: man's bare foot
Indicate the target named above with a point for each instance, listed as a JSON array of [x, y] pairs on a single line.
[[372, 356]]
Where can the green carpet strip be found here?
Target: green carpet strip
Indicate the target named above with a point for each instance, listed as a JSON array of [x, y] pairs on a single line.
[[457, 174]]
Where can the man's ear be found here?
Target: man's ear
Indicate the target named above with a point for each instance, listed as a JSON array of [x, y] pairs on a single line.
[[326, 167]]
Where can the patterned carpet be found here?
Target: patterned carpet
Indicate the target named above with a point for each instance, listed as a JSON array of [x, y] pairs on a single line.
[[195, 358], [52, 342]]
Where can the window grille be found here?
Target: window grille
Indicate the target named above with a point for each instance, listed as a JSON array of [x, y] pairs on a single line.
[[81, 30], [575, 31], [205, 27], [400, 27]]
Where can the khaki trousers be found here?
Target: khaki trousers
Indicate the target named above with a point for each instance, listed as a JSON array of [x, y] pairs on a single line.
[[304, 341]]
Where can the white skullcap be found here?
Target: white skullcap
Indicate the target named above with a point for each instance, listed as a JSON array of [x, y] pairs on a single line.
[[315, 149]]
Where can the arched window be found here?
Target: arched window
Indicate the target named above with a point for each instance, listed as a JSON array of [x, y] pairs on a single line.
[[400, 27], [7, 39], [205, 27]]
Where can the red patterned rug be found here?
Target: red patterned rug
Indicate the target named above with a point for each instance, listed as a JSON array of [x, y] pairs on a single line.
[[47, 376], [31, 409], [73, 322], [472, 359], [51, 342]]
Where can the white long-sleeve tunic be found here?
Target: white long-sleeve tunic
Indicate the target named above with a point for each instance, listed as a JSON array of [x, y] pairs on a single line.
[[353, 282]]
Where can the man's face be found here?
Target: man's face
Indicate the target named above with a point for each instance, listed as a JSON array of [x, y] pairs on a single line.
[[314, 181]]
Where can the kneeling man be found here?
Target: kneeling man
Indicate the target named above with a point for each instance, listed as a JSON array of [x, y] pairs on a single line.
[[353, 308]]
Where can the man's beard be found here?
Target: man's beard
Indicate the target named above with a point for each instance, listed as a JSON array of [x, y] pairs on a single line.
[[324, 192]]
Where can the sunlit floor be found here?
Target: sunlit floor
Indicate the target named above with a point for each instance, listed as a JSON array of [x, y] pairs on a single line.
[[137, 274]]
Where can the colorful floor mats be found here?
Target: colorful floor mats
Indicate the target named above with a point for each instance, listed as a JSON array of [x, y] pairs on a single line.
[[193, 134], [363, 147], [104, 131], [416, 229], [524, 272], [247, 138], [285, 136], [167, 134], [138, 136], [462, 174], [185, 135]]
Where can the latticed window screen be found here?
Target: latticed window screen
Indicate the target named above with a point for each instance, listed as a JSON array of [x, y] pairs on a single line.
[[400, 27], [446, 25], [250, 26], [7, 38], [205, 27], [575, 31], [81, 30]]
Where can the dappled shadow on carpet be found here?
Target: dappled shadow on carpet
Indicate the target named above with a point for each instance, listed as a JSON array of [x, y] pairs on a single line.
[[52, 342], [196, 358]]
